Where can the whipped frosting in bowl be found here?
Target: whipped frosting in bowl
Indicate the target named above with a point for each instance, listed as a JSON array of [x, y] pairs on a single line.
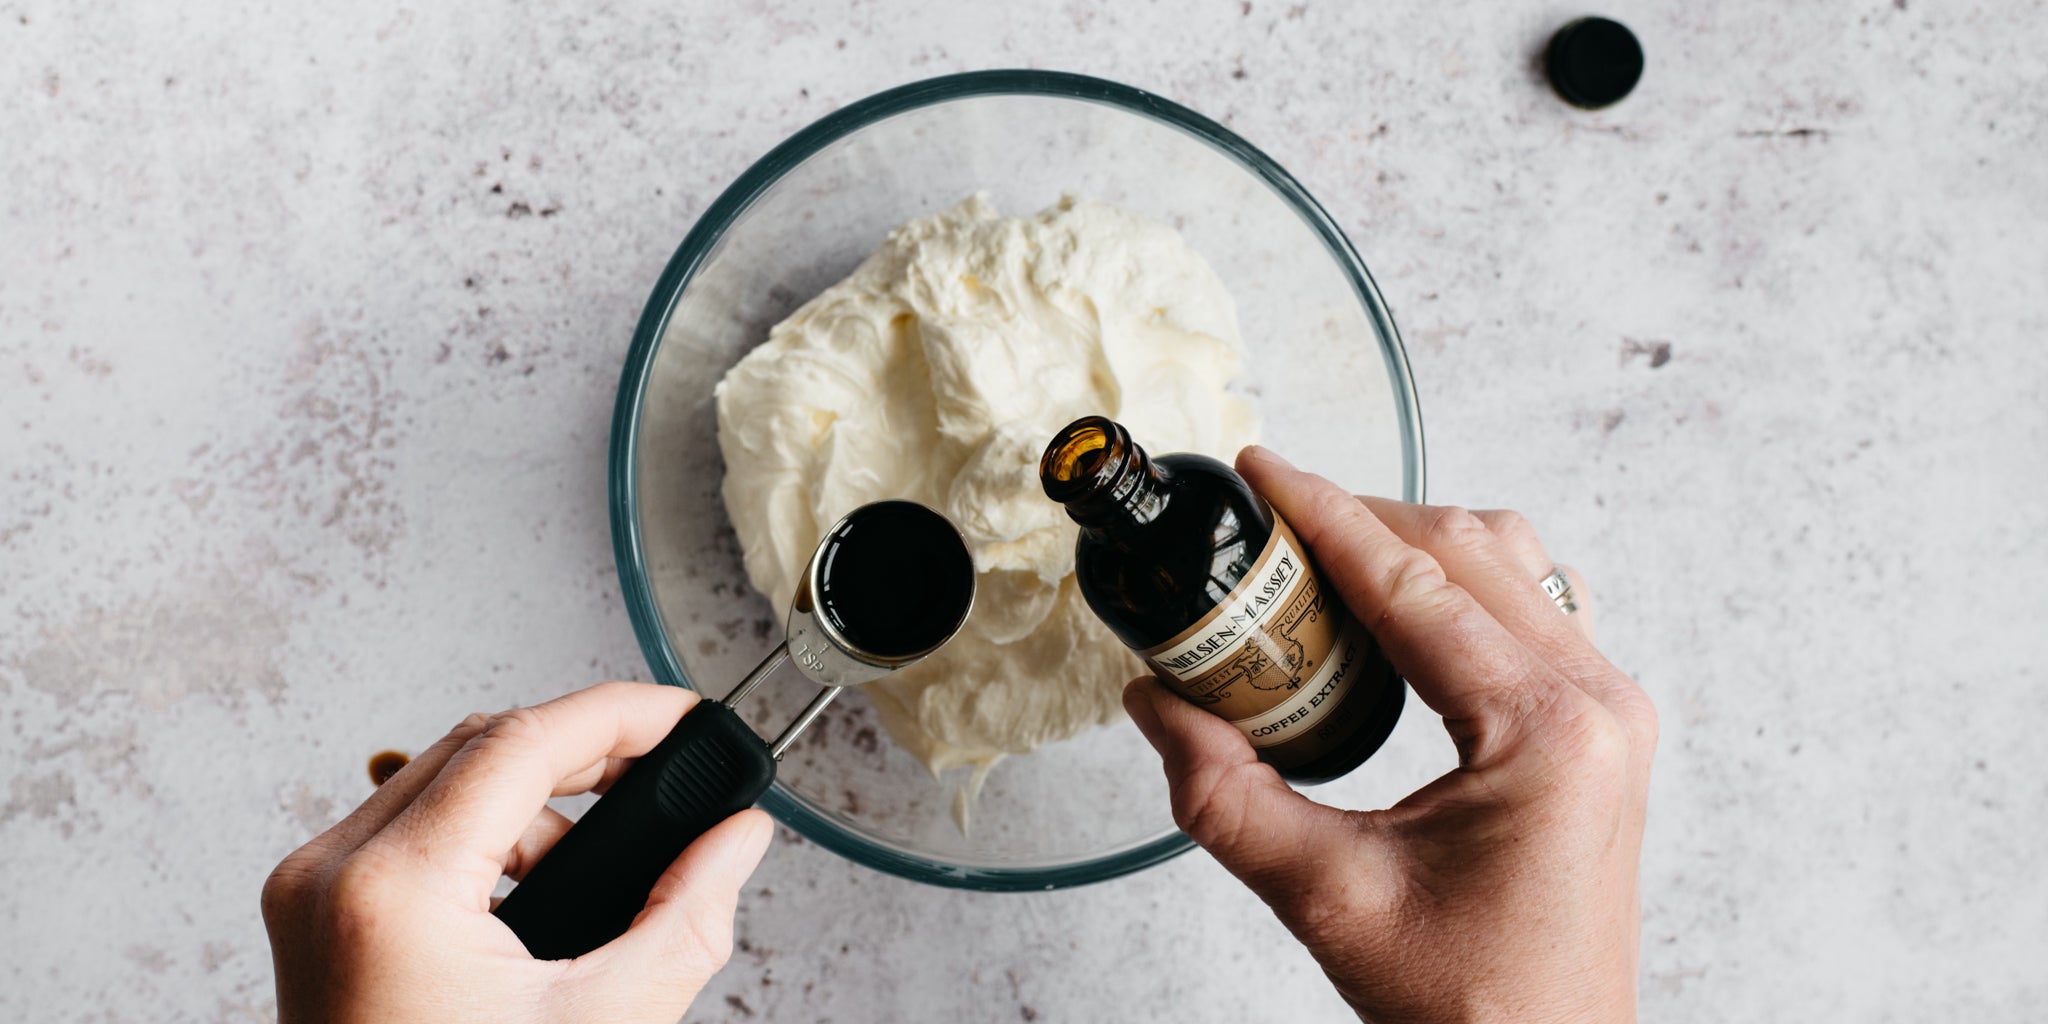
[[936, 371], [1323, 365]]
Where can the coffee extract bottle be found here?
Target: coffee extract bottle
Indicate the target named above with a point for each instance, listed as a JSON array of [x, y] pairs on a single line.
[[1196, 573]]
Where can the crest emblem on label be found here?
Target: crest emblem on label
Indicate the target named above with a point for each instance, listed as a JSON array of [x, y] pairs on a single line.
[[1275, 657]]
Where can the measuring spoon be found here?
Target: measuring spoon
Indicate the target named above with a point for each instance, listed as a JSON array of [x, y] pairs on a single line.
[[891, 583]]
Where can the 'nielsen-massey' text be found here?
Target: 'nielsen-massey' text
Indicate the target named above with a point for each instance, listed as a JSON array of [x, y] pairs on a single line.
[[1239, 620]]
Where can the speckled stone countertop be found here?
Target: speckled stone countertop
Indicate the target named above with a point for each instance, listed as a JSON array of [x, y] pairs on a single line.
[[310, 320]]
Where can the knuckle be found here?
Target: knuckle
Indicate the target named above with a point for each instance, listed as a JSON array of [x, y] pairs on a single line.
[[1601, 746], [518, 725], [705, 940], [285, 890], [360, 890], [1413, 578], [1452, 526], [1639, 711], [1627, 703], [1335, 503], [716, 949], [468, 729], [1510, 525], [1205, 809], [1332, 515]]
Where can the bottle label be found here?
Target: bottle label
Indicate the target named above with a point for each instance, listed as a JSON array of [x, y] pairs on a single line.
[[1276, 657]]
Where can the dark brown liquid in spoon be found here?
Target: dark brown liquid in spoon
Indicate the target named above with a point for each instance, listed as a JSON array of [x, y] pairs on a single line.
[[895, 579]]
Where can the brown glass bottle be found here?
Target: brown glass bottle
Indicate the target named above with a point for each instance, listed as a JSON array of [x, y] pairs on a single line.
[[1193, 570]]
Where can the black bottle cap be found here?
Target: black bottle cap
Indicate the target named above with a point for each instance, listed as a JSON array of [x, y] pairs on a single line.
[[1593, 62]]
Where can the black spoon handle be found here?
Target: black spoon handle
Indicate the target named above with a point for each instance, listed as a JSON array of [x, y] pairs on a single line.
[[588, 889]]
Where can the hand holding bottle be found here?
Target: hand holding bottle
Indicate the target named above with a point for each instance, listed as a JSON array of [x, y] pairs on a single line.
[[1504, 890]]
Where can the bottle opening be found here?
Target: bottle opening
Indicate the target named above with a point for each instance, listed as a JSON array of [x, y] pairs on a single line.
[[1077, 459]]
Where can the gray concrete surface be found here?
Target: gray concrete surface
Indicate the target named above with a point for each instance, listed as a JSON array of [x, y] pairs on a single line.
[[310, 319]]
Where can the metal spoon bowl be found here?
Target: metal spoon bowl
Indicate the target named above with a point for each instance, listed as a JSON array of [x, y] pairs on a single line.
[[821, 650]]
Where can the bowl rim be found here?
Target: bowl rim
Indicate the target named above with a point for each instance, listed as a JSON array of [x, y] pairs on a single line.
[[703, 237]]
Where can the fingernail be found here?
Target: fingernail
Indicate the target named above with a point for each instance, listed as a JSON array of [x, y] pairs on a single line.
[[1264, 454], [746, 854]]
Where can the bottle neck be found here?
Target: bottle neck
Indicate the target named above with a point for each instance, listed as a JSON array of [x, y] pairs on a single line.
[[1104, 479]]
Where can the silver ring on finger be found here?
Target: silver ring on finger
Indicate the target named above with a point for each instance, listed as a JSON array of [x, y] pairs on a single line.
[[1558, 587]]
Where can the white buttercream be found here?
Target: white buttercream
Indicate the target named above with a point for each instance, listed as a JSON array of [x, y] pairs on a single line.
[[937, 372]]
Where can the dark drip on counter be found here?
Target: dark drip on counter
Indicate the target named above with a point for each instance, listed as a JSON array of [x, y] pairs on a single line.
[[895, 580], [386, 764]]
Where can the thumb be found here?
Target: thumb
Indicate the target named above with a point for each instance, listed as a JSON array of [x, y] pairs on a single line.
[[1276, 841], [684, 936]]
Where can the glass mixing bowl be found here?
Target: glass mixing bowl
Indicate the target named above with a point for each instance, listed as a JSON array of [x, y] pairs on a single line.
[[1324, 367]]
